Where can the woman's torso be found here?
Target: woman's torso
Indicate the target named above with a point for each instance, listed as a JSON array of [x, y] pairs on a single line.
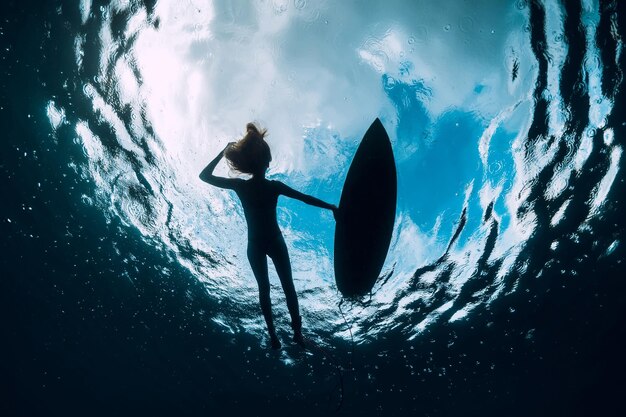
[[259, 198]]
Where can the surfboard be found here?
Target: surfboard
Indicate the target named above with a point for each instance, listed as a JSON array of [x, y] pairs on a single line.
[[367, 210]]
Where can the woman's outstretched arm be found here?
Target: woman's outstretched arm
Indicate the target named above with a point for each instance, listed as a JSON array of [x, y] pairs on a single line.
[[290, 192], [207, 174]]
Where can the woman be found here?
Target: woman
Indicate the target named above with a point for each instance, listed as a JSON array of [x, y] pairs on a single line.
[[259, 196]]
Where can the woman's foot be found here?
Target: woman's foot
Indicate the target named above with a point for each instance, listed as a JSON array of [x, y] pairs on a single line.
[[275, 342], [298, 338], [296, 325]]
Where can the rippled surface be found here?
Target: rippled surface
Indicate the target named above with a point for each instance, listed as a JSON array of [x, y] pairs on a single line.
[[488, 154], [505, 119]]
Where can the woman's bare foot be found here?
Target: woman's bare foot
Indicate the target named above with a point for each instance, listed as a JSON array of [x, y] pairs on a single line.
[[297, 337], [275, 342]]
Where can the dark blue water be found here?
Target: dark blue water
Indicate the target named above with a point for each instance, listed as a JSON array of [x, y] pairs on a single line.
[[125, 289]]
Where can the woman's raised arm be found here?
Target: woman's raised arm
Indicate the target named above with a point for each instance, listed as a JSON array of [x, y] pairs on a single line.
[[207, 174]]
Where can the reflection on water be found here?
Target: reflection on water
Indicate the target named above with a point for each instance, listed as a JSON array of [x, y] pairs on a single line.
[[501, 118]]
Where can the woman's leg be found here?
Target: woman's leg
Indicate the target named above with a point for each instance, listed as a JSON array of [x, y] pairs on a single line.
[[278, 252], [258, 262]]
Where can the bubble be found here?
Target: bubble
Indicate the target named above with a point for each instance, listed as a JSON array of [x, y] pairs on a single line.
[[311, 15], [390, 82], [136, 208], [466, 24], [420, 34], [86, 200], [521, 4], [280, 6], [593, 61], [375, 46]]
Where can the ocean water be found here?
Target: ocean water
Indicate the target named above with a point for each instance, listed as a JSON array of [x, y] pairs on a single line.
[[125, 286]]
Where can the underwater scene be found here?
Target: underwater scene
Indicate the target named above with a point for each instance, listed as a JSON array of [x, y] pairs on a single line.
[[126, 287]]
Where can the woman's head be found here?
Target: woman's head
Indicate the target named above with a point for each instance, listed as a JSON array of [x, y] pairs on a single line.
[[251, 154]]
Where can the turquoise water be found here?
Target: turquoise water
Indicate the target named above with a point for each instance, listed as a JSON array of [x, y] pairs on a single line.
[[128, 288]]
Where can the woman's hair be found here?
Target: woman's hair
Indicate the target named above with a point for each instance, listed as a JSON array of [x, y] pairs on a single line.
[[251, 154]]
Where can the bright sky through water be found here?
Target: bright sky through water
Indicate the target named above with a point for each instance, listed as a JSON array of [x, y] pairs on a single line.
[[452, 82]]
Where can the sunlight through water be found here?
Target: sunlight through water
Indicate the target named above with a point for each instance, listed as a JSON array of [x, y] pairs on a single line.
[[498, 115]]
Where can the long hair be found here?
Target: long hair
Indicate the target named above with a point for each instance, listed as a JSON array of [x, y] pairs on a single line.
[[251, 154]]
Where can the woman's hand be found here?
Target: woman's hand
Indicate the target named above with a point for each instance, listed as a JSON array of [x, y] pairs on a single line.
[[335, 210], [228, 145]]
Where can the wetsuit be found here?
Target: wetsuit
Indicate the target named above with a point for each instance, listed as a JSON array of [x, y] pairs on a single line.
[[259, 197]]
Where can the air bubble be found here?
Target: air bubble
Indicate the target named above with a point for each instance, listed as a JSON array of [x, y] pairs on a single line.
[[593, 61], [466, 24], [420, 35], [495, 167], [281, 6], [390, 82]]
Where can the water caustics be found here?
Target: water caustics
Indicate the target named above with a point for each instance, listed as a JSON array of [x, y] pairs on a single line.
[[500, 116]]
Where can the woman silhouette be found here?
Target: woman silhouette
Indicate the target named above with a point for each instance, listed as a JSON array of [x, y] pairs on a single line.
[[259, 196]]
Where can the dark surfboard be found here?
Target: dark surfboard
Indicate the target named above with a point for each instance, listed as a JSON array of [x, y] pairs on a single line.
[[367, 212]]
